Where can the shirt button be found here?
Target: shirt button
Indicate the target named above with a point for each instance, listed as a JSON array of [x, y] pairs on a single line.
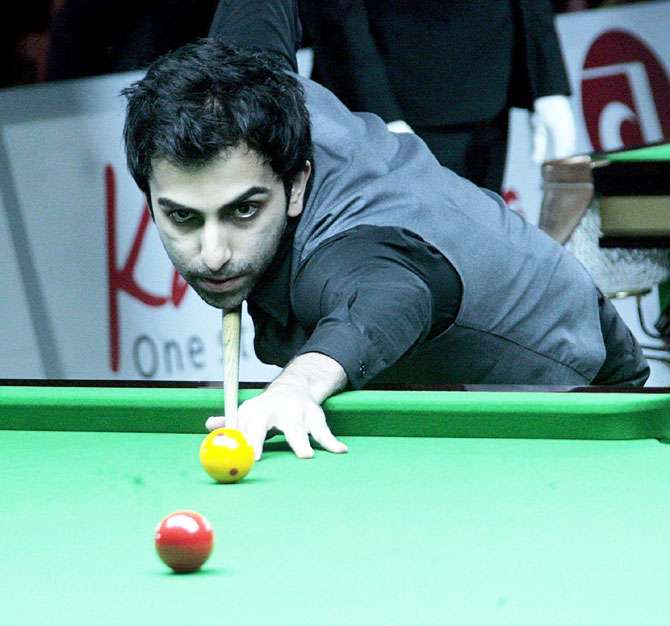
[[362, 370]]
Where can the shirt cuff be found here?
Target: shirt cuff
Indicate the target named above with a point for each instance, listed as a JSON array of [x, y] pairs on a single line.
[[346, 344]]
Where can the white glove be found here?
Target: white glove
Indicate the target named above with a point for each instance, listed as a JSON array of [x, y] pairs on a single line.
[[552, 128], [399, 126]]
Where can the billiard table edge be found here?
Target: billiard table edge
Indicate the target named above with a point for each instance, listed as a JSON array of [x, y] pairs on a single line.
[[373, 413]]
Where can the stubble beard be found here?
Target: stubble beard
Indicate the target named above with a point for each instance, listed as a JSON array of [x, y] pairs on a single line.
[[230, 300], [252, 270]]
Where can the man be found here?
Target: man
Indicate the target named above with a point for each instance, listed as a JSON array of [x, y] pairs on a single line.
[[449, 71], [360, 257]]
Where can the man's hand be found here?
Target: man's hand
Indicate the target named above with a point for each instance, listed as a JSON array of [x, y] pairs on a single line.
[[289, 409], [292, 404]]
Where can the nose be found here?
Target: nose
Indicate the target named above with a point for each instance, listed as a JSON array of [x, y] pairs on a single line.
[[215, 246]]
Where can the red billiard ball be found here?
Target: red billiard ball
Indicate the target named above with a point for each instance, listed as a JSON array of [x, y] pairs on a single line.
[[184, 541]]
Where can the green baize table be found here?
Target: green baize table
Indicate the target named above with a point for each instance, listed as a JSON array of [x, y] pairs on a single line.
[[451, 507]]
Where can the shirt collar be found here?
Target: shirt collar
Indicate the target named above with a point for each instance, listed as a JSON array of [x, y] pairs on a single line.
[[272, 292]]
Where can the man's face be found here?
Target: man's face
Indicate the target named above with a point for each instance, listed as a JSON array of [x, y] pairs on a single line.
[[221, 223]]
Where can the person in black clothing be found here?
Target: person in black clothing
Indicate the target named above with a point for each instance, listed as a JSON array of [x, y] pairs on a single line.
[[449, 71]]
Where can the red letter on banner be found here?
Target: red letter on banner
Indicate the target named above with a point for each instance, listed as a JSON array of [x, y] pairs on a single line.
[[123, 279]]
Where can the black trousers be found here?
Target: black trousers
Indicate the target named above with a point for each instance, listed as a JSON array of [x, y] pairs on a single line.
[[475, 151]]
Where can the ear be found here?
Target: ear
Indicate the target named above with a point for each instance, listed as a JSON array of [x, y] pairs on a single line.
[[298, 187]]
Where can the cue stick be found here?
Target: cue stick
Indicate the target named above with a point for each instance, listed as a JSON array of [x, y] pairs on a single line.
[[231, 364]]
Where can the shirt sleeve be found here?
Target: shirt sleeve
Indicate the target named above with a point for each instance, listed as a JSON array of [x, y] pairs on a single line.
[[371, 294], [271, 25], [347, 59]]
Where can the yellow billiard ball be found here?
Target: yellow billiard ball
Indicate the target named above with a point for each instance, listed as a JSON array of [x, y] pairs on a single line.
[[226, 456]]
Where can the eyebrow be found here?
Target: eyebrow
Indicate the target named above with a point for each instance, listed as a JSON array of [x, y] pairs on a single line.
[[166, 203]]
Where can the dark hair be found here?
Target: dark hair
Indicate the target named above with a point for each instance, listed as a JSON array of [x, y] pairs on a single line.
[[211, 96]]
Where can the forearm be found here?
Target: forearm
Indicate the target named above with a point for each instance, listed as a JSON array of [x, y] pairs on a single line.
[[316, 374]]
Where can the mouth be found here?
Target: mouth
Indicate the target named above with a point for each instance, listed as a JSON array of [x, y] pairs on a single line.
[[221, 285]]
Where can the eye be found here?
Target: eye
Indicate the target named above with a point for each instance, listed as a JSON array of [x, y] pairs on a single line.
[[246, 210], [181, 216]]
